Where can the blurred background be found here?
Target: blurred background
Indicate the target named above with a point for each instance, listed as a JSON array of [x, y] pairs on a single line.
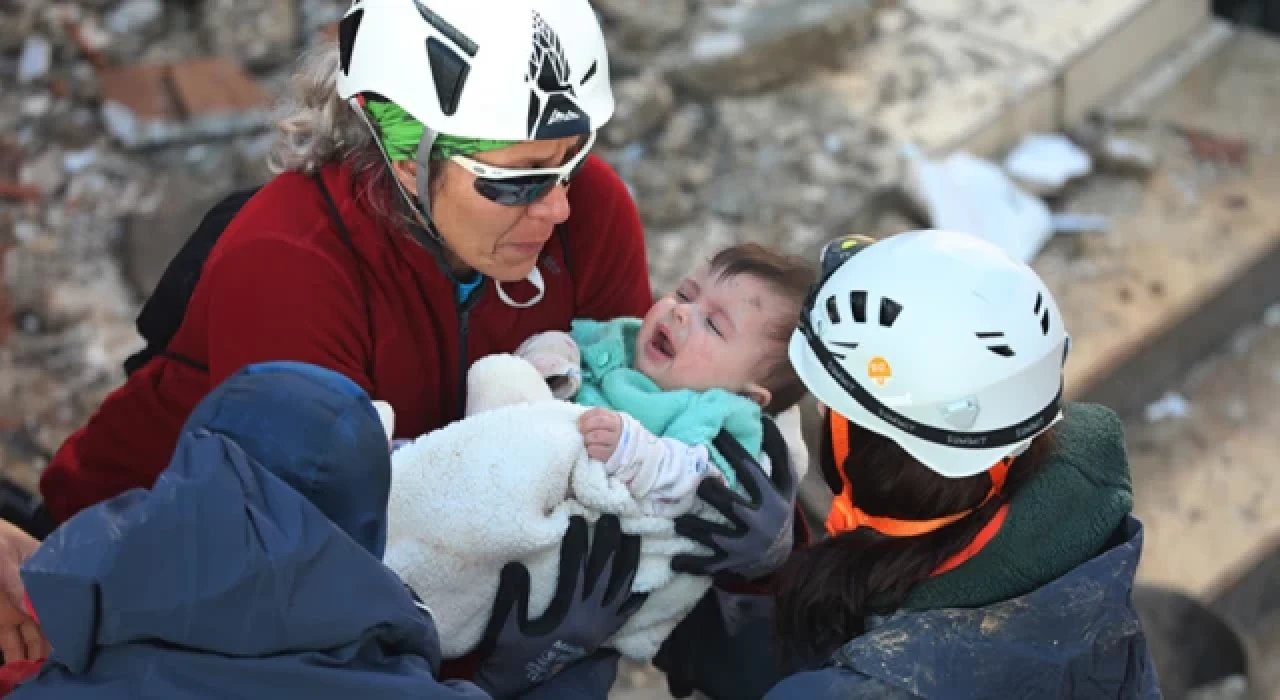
[[1128, 148]]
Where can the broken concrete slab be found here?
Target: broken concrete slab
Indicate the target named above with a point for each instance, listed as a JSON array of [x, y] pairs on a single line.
[[137, 105], [1186, 260], [1225, 446], [1127, 52], [1060, 32], [152, 104], [790, 162], [218, 98], [1198, 249], [944, 89], [769, 45], [1096, 46]]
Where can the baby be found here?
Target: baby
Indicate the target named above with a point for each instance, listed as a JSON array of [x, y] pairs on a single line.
[[710, 356]]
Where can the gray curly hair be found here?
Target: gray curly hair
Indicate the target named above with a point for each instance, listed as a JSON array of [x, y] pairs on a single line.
[[315, 127]]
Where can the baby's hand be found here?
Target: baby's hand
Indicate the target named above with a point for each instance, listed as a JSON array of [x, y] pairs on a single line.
[[557, 359], [601, 429]]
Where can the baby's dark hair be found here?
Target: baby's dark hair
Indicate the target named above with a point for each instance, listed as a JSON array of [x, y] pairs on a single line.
[[788, 276]]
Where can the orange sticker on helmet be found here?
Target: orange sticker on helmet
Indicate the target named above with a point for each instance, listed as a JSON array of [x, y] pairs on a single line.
[[879, 370]]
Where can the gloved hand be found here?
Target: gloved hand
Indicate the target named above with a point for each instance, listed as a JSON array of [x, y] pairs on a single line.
[[556, 357], [592, 601], [758, 535]]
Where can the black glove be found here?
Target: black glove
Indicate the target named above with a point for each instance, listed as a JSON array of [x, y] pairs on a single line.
[[593, 600], [758, 535]]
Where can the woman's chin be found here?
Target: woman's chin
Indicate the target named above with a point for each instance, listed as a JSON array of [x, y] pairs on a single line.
[[506, 270]]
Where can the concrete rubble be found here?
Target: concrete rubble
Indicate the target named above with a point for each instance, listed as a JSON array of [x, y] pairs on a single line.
[[122, 120]]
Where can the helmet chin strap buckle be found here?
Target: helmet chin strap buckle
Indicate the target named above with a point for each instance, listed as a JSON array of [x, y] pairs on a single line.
[[534, 278]]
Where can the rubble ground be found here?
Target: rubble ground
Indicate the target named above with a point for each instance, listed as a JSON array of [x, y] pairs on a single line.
[[1205, 483]]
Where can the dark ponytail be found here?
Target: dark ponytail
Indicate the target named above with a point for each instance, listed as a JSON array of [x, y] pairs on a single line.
[[825, 592]]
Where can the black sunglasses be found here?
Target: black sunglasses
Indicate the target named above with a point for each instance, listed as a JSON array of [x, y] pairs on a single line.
[[522, 187]]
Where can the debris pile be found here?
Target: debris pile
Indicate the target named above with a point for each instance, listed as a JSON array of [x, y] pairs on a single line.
[[122, 121]]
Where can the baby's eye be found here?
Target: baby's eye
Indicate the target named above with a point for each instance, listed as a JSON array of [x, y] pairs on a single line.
[[682, 296], [712, 325]]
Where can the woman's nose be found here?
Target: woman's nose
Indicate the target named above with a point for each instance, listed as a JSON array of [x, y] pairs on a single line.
[[553, 207]]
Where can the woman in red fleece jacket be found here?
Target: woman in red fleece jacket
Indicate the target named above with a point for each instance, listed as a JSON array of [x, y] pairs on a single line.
[[421, 219]]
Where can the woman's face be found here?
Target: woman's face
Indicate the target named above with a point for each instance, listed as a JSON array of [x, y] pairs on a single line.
[[498, 241]]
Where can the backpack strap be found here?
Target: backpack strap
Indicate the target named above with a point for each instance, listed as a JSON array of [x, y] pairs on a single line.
[[361, 264], [164, 310]]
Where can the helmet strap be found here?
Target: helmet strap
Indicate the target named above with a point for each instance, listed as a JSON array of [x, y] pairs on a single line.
[[421, 208], [427, 233], [846, 515], [423, 180]]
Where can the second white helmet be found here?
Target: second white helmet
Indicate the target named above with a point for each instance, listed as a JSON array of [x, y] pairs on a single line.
[[517, 70], [939, 341]]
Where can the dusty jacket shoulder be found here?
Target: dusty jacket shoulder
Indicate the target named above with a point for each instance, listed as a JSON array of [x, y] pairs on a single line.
[[1078, 636]]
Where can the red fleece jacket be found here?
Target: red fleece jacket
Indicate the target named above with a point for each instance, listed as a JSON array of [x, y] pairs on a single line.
[[282, 285]]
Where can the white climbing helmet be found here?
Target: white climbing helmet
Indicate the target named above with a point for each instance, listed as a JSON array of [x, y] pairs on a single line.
[[939, 341], [517, 70]]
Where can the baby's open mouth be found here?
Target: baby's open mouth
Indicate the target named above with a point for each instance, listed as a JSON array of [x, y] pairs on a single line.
[[662, 343]]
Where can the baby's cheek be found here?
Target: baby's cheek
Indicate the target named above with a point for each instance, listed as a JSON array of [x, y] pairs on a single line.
[[709, 366]]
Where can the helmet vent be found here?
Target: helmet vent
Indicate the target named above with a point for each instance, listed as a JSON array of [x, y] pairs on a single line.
[[449, 31], [535, 108], [833, 311], [848, 346], [858, 302], [347, 38], [591, 73], [449, 73], [1002, 350], [1044, 317], [889, 310]]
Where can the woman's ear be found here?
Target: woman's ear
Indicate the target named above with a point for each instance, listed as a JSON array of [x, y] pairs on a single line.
[[406, 171]]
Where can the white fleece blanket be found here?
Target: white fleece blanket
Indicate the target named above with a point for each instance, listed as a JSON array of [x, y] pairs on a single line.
[[500, 486]]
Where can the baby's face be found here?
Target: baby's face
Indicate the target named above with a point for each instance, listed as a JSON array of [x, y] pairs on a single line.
[[712, 333]]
